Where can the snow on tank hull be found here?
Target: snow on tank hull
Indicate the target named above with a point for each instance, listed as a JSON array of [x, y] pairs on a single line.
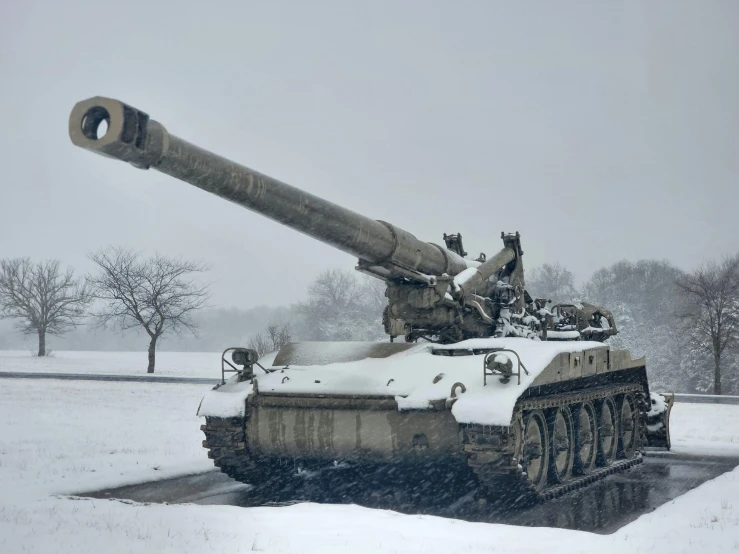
[[577, 416]]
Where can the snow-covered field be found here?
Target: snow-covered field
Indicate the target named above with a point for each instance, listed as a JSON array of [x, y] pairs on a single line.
[[59, 437], [181, 364], [705, 428]]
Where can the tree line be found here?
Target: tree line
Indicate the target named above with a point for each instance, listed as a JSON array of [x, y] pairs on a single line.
[[155, 294], [686, 323]]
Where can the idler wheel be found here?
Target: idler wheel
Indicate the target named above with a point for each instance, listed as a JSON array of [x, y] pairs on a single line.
[[586, 439], [561, 444], [607, 431], [535, 456]]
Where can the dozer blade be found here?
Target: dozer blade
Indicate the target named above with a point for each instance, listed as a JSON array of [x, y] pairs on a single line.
[[658, 420]]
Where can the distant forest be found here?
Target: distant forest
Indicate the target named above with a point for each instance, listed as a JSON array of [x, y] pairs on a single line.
[[649, 306]]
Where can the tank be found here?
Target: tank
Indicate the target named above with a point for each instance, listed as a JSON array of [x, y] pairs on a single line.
[[525, 396]]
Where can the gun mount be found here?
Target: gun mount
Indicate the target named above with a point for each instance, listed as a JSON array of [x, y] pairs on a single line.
[[433, 291]]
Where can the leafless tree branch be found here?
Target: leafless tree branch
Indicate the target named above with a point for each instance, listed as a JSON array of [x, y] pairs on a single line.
[[41, 298], [341, 306], [157, 294], [710, 315], [553, 282]]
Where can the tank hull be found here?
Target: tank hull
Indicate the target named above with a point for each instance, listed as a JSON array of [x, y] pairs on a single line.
[[281, 432]]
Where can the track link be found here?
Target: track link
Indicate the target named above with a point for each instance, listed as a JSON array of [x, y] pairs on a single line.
[[579, 482], [225, 440], [493, 452]]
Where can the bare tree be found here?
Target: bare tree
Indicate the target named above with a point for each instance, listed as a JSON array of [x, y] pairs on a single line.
[[261, 344], [644, 298], [552, 281], [41, 298], [275, 336], [711, 315], [279, 334], [341, 306], [158, 294]]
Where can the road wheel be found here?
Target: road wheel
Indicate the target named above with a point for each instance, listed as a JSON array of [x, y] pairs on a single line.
[[561, 445], [628, 427], [607, 431], [586, 439], [536, 449]]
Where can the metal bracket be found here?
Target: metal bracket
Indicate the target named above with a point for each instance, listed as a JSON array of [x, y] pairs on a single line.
[[453, 394], [486, 372], [233, 368]]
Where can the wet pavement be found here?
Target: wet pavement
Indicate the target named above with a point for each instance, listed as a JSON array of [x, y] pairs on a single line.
[[602, 507]]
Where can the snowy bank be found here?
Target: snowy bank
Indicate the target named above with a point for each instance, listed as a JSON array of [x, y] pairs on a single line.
[[71, 436], [181, 364]]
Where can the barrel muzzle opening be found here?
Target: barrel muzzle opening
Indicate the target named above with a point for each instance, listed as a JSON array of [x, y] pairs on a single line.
[[111, 128], [95, 123]]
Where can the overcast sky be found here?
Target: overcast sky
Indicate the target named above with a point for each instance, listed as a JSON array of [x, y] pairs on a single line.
[[599, 130]]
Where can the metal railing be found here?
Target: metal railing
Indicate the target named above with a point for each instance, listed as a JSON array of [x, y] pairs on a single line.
[[706, 398], [487, 372]]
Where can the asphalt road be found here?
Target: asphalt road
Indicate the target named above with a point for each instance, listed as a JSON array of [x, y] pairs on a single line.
[[603, 507], [104, 377]]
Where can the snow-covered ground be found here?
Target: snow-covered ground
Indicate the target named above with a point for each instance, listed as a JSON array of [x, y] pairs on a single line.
[[58, 437], [181, 364], [705, 428], [68, 436]]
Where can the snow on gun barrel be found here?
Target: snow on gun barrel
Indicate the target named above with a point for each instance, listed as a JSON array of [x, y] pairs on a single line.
[[575, 412]]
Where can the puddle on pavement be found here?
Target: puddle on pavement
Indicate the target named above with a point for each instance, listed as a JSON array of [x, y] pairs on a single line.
[[602, 507]]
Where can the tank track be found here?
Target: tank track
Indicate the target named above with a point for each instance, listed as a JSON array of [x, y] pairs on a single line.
[[493, 452], [225, 440]]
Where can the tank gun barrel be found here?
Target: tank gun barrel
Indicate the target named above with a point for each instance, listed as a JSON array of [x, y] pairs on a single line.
[[133, 137]]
